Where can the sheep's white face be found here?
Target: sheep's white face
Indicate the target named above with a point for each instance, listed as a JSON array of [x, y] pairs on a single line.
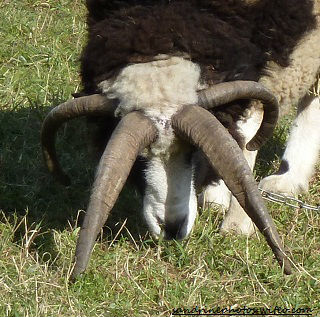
[[170, 204], [159, 89]]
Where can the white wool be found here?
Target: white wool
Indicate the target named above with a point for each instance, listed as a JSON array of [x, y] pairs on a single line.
[[157, 88]]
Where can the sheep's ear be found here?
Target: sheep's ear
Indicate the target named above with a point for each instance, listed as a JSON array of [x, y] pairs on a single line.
[[115, 164], [83, 106], [227, 92], [202, 129]]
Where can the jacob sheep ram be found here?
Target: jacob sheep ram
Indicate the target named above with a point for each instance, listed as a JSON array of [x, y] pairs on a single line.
[[188, 91]]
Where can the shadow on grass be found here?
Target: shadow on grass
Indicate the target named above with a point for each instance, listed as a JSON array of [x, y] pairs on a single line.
[[27, 187]]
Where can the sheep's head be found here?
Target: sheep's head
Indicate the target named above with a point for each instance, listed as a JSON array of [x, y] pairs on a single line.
[[164, 117]]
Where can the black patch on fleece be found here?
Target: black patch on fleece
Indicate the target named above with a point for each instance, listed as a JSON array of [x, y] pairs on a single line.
[[228, 39]]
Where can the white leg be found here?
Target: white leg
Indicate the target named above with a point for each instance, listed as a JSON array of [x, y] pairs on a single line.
[[301, 154], [236, 220], [215, 193]]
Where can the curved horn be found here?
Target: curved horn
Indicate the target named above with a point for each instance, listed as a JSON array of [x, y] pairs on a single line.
[[230, 91], [206, 132], [88, 105], [133, 133]]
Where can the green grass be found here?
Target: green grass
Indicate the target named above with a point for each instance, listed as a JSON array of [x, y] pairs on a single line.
[[129, 274]]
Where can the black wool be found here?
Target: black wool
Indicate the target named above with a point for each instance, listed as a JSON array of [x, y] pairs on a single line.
[[229, 39]]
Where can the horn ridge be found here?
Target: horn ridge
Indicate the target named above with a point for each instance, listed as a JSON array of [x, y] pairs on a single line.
[[226, 92], [201, 128], [133, 133], [84, 106]]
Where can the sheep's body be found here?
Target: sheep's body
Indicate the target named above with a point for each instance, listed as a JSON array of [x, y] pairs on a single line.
[[291, 85], [140, 52]]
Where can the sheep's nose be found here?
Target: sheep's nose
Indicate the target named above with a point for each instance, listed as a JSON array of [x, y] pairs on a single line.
[[176, 230]]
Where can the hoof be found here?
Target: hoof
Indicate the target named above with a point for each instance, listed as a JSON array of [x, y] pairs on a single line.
[[283, 184], [237, 221]]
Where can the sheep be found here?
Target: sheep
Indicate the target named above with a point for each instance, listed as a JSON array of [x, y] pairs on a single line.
[[170, 84], [291, 84]]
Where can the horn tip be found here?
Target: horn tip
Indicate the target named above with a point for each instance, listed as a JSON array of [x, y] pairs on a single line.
[[283, 260], [77, 271], [288, 271], [75, 275], [287, 267]]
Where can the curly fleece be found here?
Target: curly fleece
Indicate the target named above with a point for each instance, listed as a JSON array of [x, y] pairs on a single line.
[[230, 39]]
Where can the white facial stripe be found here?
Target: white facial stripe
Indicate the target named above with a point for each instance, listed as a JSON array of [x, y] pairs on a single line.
[[170, 198], [157, 88]]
